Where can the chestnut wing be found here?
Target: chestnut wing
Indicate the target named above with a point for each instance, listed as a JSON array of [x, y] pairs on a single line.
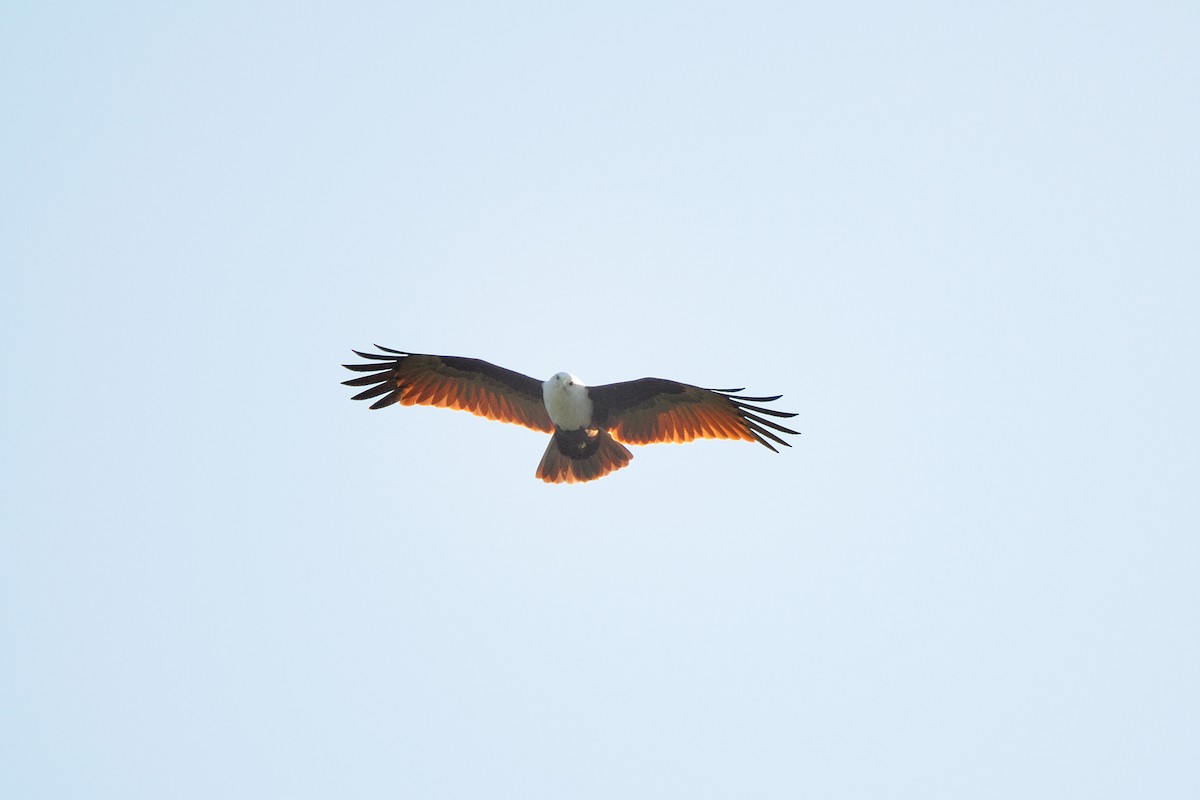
[[464, 384], [654, 410]]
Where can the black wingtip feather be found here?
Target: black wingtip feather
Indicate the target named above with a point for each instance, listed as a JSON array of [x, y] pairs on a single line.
[[375, 356], [764, 432], [387, 400], [768, 411], [374, 391], [368, 380], [763, 441], [768, 423]]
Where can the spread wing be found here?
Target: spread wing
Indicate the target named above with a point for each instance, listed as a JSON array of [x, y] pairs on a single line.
[[654, 410], [465, 384]]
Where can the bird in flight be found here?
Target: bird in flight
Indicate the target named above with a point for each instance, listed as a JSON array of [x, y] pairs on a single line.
[[591, 424]]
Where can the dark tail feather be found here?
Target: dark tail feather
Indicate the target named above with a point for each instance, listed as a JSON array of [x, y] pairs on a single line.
[[558, 467]]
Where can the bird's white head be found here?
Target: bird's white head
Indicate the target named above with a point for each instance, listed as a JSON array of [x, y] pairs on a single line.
[[567, 401]]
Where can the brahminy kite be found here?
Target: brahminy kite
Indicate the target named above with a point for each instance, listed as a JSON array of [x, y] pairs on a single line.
[[591, 424]]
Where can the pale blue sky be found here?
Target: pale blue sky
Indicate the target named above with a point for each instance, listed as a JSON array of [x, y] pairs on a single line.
[[961, 239]]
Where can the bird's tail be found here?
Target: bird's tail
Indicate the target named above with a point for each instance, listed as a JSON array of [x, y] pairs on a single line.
[[583, 455]]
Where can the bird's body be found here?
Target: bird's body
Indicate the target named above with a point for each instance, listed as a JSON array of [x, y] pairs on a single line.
[[590, 424]]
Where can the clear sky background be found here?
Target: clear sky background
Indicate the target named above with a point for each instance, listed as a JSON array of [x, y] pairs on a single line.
[[961, 239]]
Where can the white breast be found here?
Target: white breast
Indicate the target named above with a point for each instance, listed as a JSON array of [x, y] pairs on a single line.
[[567, 402]]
